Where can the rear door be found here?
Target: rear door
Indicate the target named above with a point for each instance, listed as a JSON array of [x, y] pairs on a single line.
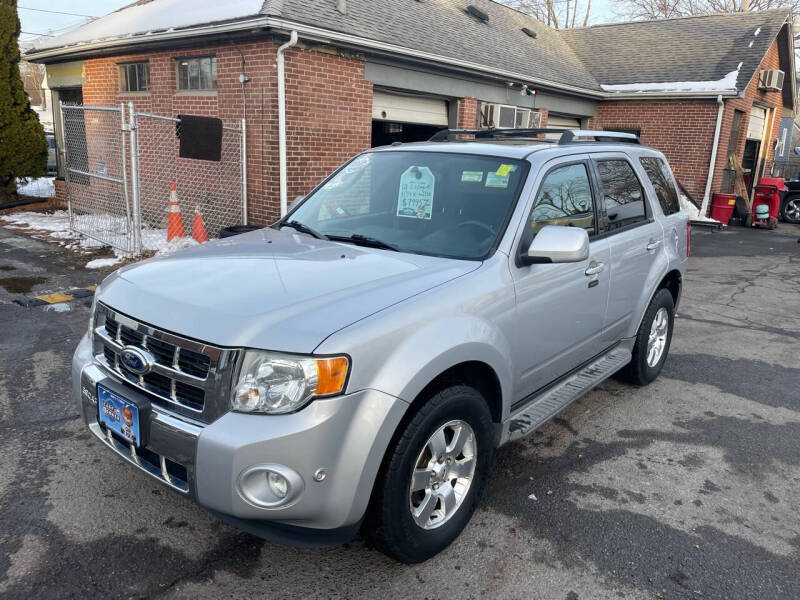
[[663, 188], [635, 238], [560, 307]]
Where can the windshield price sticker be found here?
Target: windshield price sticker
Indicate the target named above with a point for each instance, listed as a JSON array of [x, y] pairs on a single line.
[[471, 176], [493, 180], [415, 199]]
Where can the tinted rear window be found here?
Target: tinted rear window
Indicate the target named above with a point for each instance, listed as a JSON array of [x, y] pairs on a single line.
[[622, 193], [660, 176]]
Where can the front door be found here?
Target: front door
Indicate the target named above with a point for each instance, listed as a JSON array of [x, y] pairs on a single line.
[[560, 307]]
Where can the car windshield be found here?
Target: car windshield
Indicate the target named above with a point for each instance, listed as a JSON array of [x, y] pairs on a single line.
[[440, 204]]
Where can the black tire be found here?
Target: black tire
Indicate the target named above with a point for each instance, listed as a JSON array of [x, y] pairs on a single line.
[[389, 523], [638, 372], [788, 210]]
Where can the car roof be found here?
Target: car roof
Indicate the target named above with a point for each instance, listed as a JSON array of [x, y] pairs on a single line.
[[519, 149]]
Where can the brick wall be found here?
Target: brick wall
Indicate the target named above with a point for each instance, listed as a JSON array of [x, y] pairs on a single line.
[[467, 113], [329, 106], [752, 93], [684, 129]]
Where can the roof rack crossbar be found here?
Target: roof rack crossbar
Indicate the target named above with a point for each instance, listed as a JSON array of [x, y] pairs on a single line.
[[444, 134], [568, 136]]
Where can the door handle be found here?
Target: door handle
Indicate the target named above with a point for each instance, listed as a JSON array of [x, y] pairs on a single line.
[[595, 268], [653, 244]]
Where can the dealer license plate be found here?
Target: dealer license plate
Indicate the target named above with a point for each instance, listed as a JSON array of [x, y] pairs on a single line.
[[119, 415]]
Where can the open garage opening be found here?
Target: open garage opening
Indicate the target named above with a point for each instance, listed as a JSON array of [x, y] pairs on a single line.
[[400, 117]]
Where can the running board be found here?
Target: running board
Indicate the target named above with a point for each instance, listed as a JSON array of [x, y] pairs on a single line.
[[558, 397]]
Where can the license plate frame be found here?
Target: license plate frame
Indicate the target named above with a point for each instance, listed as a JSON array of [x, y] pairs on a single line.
[[120, 415]]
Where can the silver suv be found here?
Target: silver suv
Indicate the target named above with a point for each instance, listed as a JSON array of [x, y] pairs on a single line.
[[356, 365]]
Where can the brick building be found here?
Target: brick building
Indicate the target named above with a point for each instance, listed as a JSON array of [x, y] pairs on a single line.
[[365, 73]]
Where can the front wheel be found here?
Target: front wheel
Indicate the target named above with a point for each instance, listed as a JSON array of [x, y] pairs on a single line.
[[791, 210], [433, 478], [652, 340]]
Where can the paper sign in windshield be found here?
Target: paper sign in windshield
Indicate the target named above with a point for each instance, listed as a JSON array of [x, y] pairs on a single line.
[[415, 199]]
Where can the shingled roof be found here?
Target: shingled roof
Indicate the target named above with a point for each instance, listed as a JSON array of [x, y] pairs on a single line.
[[444, 27], [701, 54], [690, 51]]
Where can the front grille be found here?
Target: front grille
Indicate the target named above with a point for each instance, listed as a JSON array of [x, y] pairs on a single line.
[[185, 373]]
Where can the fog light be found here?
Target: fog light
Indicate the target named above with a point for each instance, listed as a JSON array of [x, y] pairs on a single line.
[[270, 486], [277, 484]]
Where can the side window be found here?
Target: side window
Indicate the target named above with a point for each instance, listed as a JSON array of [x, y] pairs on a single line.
[[659, 174], [622, 193], [564, 198]]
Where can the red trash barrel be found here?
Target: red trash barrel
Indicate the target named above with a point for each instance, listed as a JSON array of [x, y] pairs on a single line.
[[722, 206]]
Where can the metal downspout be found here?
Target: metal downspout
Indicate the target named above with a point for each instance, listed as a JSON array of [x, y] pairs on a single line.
[[713, 162], [282, 119]]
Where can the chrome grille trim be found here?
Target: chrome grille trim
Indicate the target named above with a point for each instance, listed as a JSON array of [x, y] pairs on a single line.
[[214, 386]]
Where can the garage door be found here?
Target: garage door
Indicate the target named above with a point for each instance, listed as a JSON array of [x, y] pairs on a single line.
[[755, 128], [559, 122], [409, 109]]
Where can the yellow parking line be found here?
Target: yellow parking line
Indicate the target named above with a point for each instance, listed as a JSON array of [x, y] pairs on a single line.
[[54, 298]]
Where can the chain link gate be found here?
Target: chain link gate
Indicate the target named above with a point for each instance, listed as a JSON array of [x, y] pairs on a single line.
[[96, 173], [120, 165]]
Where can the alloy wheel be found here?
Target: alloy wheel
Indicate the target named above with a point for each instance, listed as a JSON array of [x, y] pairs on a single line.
[[443, 473]]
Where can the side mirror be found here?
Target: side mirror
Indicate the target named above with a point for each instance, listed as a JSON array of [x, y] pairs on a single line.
[[295, 202], [558, 244]]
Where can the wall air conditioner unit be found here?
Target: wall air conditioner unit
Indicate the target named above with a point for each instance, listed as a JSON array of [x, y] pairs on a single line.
[[503, 116], [771, 80]]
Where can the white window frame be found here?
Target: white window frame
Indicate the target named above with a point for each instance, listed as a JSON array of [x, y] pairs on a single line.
[[519, 112], [124, 77]]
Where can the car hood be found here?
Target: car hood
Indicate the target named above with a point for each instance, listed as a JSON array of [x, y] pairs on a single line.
[[271, 289]]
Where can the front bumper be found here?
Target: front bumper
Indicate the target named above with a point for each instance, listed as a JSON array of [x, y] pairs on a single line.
[[345, 436]]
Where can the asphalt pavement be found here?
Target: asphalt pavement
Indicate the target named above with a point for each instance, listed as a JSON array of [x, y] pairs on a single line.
[[687, 488]]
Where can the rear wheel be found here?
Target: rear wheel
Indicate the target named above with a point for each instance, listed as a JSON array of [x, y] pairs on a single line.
[[791, 210], [433, 478], [652, 341]]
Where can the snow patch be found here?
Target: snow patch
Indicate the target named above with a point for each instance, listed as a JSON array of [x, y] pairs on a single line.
[[176, 244], [56, 224], [99, 263], [42, 187], [757, 31], [694, 212], [153, 17], [727, 83]]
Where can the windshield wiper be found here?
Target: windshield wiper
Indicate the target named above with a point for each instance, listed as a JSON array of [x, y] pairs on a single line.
[[364, 240], [303, 228]]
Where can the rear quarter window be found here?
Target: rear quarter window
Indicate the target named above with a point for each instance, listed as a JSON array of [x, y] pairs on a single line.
[[660, 176]]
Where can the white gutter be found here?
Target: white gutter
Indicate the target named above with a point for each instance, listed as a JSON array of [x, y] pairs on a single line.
[[282, 119], [713, 162]]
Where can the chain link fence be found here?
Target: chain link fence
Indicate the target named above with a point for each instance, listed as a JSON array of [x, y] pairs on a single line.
[[120, 165], [210, 187]]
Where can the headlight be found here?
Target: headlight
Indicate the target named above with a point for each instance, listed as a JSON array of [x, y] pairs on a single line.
[[280, 383]]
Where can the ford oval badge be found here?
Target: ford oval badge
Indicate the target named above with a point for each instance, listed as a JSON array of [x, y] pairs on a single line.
[[136, 360]]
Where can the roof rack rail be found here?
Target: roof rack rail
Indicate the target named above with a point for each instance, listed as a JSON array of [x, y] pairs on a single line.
[[568, 136]]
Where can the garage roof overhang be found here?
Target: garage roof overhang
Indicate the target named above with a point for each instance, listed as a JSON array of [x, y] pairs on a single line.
[[261, 25]]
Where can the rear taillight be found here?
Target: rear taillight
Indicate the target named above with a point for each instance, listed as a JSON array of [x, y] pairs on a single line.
[[688, 237]]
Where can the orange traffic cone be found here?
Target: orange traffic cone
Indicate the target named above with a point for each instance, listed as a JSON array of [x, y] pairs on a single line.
[[174, 220], [199, 232]]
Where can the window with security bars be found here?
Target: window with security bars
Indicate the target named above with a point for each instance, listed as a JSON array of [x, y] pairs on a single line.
[[134, 77], [197, 74]]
